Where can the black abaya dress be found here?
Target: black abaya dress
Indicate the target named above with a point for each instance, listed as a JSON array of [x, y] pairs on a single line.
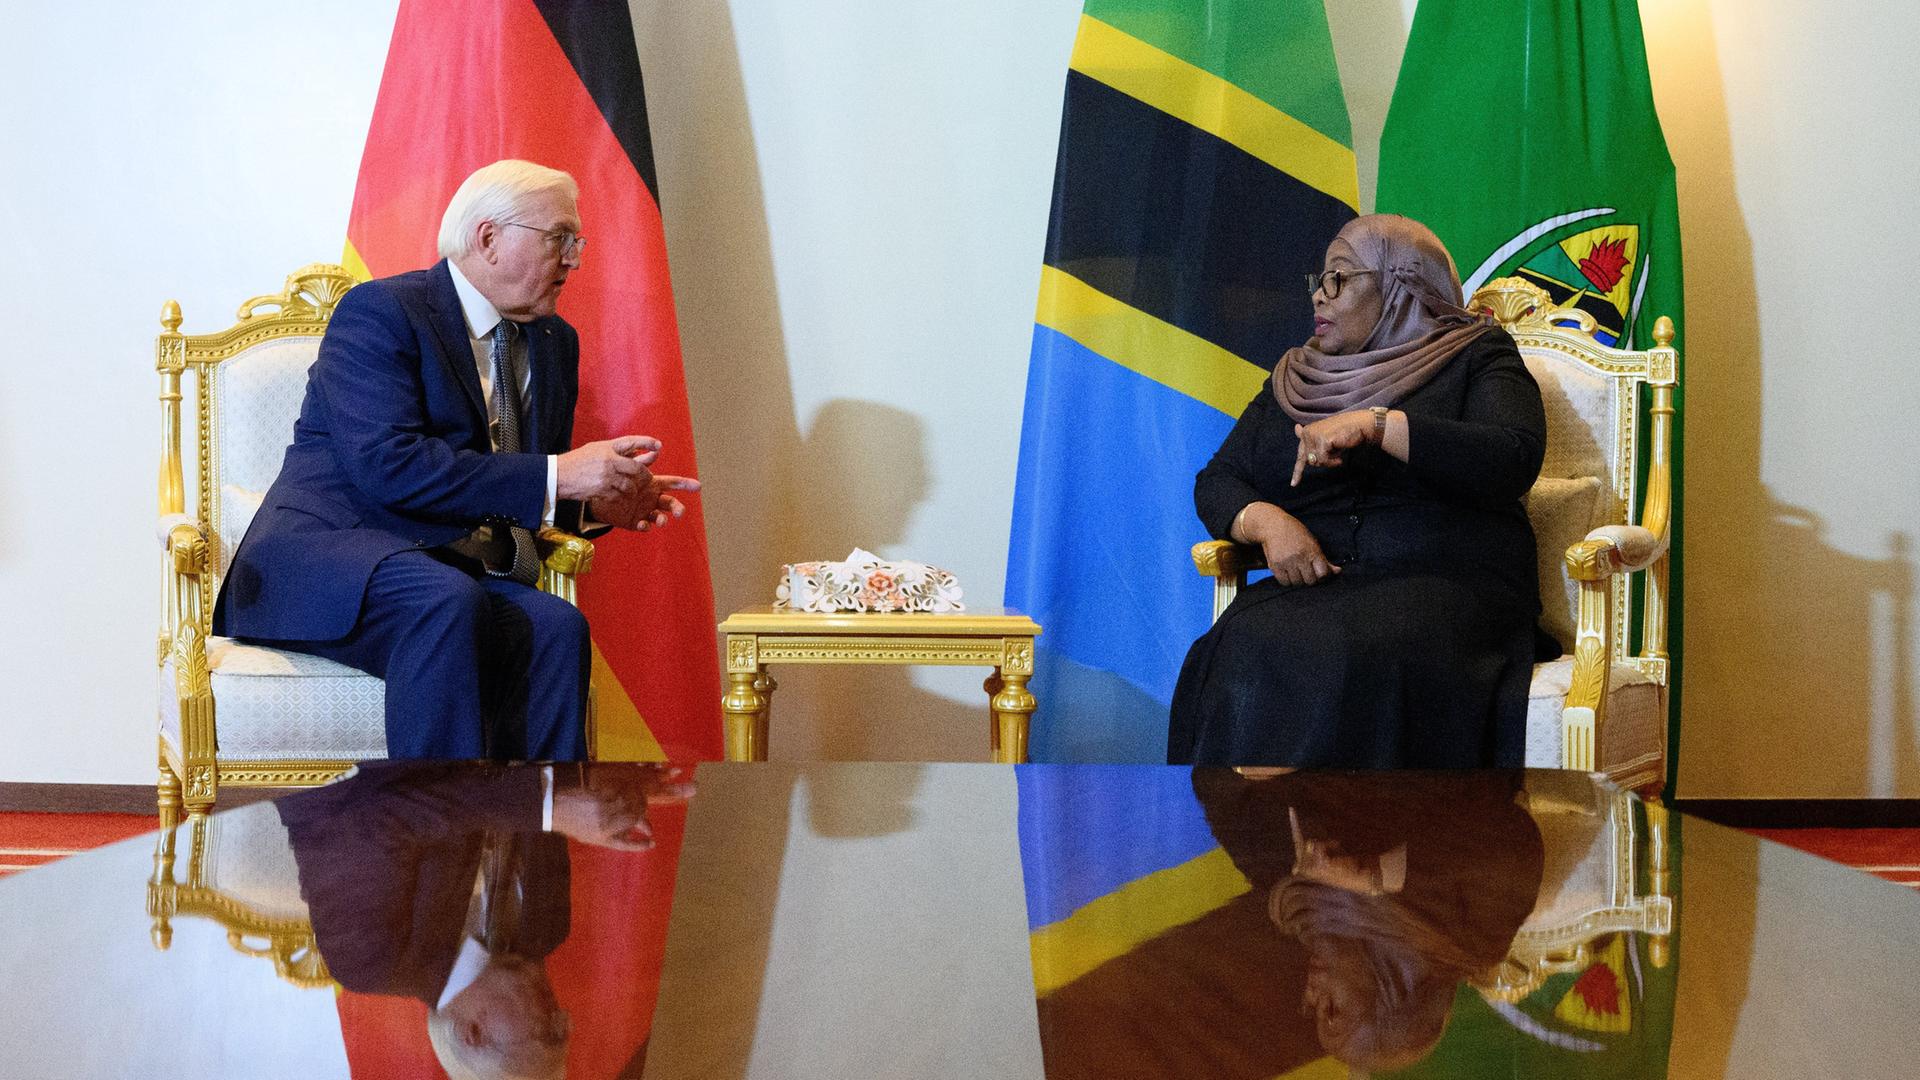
[[1419, 652]]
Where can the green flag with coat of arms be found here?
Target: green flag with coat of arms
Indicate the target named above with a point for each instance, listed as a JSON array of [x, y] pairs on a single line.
[[1523, 133]]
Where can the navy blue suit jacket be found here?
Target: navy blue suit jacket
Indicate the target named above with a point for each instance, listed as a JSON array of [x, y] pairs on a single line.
[[387, 862], [391, 452]]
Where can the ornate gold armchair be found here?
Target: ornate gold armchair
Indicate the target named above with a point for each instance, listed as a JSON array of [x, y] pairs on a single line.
[[1602, 707], [284, 718], [241, 874]]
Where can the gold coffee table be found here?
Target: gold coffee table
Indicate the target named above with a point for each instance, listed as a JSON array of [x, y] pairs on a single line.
[[992, 637]]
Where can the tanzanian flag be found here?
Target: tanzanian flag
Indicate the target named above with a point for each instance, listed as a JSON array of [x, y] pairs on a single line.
[[469, 82], [1205, 162], [1523, 132]]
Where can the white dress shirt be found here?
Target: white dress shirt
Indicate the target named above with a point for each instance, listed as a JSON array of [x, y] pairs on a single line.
[[473, 955]]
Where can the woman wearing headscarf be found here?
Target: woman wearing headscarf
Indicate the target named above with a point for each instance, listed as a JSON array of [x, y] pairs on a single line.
[[1381, 470]]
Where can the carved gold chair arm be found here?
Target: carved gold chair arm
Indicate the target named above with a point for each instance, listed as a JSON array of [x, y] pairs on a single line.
[[564, 553], [185, 543], [186, 558], [564, 557], [1606, 551], [1227, 564], [1614, 549], [1216, 557]]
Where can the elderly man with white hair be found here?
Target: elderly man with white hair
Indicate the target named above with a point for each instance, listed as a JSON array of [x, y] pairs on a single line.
[[434, 439]]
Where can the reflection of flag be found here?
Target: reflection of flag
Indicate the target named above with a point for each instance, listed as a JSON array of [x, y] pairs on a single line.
[[1523, 132], [468, 82], [1153, 956], [1610, 1020], [1112, 856], [1205, 161], [1598, 999]]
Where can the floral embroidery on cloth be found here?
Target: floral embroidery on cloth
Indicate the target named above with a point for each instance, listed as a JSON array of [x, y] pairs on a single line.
[[866, 582]]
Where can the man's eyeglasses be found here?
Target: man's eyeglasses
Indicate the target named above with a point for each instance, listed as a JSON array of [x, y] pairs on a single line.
[[568, 243], [1330, 281]]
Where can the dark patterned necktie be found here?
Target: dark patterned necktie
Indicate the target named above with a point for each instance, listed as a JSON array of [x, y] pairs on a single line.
[[506, 407]]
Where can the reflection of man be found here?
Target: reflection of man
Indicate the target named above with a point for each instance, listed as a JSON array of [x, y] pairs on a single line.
[[433, 440], [437, 882]]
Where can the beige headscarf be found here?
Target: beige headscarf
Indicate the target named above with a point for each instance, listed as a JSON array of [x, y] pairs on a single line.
[[1421, 327]]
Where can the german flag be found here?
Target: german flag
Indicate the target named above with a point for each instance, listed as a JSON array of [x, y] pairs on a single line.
[[469, 82], [1205, 162]]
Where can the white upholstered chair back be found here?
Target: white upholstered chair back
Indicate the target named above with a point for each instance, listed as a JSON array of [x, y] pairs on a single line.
[[1589, 478], [246, 384], [255, 396]]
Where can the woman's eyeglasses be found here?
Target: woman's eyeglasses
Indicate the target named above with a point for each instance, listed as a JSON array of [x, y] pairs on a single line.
[[1330, 281]]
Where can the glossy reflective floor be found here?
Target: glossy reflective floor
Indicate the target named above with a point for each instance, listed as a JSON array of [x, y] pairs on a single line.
[[885, 920]]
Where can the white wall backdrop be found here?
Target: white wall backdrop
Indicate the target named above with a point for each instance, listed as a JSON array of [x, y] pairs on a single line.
[[856, 198], [193, 152]]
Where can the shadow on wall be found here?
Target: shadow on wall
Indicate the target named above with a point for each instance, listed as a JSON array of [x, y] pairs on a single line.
[[1804, 678], [866, 471], [771, 497], [863, 472], [738, 384], [1796, 679]]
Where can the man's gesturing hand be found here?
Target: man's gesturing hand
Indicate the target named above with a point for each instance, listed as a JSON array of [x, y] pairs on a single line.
[[648, 507], [609, 468], [606, 805]]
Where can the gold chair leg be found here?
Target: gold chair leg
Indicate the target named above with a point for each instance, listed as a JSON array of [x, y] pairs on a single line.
[[160, 889], [765, 685], [743, 709], [168, 800], [1659, 876], [1012, 706], [200, 790], [993, 686]]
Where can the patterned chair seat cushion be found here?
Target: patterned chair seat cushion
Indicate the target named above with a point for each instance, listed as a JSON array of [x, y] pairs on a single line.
[[1634, 716], [284, 705]]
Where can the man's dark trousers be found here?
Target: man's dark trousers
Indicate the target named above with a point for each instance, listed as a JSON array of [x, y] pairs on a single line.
[[486, 667]]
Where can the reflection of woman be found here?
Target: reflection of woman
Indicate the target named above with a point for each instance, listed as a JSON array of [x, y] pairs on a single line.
[[1372, 897], [1399, 888], [1381, 472]]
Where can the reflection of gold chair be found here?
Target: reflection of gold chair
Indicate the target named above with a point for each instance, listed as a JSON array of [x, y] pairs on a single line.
[[285, 718], [1590, 885], [1602, 707], [241, 874]]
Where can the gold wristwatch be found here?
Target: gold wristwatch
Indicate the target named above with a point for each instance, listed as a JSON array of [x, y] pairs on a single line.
[[1380, 423]]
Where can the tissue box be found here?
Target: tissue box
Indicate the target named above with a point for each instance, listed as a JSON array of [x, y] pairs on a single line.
[[866, 582]]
